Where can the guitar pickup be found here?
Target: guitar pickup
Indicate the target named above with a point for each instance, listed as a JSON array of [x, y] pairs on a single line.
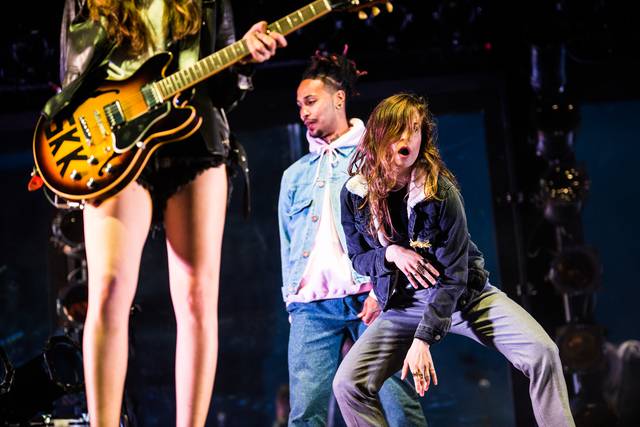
[[85, 129], [151, 95], [114, 113]]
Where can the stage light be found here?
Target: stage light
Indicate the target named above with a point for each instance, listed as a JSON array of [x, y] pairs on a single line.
[[622, 382], [555, 144], [72, 303], [575, 271], [593, 411], [581, 347], [67, 230], [63, 363], [548, 68], [555, 119], [563, 189], [38, 383], [6, 372]]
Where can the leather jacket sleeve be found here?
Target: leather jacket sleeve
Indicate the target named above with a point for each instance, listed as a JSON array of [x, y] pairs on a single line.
[[83, 43], [83, 46], [227, 88]]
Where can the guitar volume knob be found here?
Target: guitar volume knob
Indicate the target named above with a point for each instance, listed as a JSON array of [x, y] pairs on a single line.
[[75, 175]]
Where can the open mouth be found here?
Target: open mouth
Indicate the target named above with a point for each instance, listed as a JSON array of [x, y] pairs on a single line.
[[404, 151]]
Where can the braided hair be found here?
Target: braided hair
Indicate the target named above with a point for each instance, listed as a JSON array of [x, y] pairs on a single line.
[[336, 71]]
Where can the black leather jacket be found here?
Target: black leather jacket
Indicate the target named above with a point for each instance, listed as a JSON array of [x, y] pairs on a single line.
[[84, 49]]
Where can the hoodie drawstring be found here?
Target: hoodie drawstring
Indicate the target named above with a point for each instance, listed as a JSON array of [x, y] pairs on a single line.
[[326, 149]]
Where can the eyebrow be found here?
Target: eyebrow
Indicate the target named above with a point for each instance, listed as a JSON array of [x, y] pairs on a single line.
[[305, 98]]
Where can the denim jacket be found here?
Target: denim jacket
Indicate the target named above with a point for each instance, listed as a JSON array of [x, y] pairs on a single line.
[[437, 230], [299, 208]]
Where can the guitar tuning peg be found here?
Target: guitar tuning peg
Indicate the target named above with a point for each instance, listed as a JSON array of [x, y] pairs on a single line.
[[375, 11], [362, 15], [389, 6]]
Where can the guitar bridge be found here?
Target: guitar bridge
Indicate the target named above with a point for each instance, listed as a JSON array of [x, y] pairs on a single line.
[[114, 113]]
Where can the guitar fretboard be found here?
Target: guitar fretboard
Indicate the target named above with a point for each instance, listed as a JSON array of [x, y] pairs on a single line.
[[223, 58]]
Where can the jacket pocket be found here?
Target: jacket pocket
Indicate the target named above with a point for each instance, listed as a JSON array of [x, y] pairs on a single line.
[[299, 206]]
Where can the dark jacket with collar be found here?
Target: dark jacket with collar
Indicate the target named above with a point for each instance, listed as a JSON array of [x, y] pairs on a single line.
[[437, 230], [85, 49]]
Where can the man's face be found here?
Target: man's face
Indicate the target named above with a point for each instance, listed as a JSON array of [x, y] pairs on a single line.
[[320, 107]]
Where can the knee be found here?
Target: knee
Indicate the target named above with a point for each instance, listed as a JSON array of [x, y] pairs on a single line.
[[346, 386], [544, 355], [343, 386], [110, 299], [196, 302]]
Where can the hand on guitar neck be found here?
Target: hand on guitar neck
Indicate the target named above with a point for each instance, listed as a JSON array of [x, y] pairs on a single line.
[[97, 145], [262, 42]]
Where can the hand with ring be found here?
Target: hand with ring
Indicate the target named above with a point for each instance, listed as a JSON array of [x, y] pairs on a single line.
[[419, 361], [418, 271]]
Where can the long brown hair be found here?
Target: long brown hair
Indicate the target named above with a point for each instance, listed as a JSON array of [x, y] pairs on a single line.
[[126, 27], [374, 158]]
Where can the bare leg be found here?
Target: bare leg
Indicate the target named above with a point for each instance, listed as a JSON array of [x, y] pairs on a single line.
[[115, 235], [194, 223]]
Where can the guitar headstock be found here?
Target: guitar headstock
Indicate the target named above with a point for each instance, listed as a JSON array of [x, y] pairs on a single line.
[[360, 6]]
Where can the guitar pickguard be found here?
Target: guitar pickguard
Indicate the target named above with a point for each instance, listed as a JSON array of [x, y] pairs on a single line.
[[96, 145], [134, 131]]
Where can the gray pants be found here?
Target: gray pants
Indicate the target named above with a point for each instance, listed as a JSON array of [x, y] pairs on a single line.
[[492, 319]]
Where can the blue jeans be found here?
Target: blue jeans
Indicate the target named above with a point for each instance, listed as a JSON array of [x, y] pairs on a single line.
[[491, 318], [318, 330]]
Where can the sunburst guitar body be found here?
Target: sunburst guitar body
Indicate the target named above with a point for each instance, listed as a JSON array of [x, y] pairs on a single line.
[[97, 145], [102, 145]]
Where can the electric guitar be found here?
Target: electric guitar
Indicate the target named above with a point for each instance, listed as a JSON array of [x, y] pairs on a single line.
[[96, 150]]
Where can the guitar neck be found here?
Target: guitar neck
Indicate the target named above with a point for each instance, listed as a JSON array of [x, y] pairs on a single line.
[[223, 58]]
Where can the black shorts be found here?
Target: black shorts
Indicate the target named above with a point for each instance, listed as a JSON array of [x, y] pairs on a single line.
[[173, 166]]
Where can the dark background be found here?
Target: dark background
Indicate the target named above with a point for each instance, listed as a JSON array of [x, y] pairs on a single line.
[[472, 59]]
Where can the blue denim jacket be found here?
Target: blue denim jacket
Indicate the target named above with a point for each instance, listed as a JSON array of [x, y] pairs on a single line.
[[300, 206], [438, 231]]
